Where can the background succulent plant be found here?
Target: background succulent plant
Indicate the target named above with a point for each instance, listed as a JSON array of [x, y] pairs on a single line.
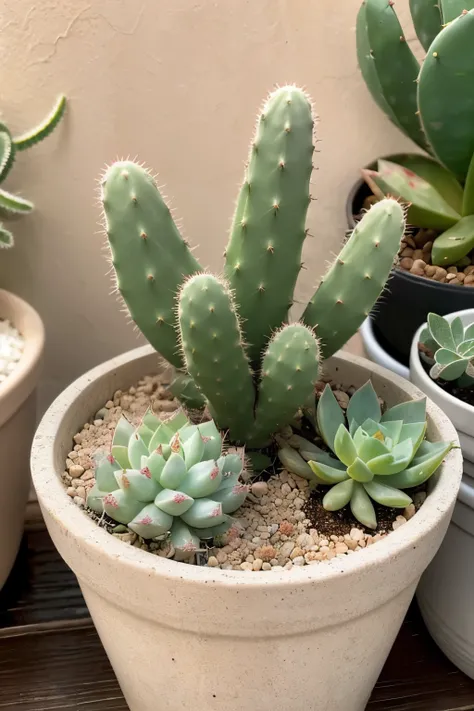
[[169, 478], [9, 145], [433, 104], [376, 455], [229, 338], [449, 348]]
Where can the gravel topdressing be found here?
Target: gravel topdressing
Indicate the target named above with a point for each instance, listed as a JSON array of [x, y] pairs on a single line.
[[280, 525]]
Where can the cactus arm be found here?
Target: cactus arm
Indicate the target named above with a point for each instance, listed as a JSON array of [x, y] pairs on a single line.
[[14, 203], [263, 256], [455, 243], [7, 152], [212, 345], [150, 258], [6, 238], [368, 68], [468, 198], [44, 129], [354, 282], [446, 95], [451, 9], [290, 370], [396, 66], [427, 20], [427, 207]]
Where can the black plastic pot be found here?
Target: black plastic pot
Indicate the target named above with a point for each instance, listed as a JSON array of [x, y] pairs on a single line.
[[407, 299]]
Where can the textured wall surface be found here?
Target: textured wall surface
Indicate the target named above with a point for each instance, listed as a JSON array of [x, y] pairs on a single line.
[[176, 83]]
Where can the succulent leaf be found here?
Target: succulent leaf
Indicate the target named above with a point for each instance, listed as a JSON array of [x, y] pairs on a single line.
[[362, 507]]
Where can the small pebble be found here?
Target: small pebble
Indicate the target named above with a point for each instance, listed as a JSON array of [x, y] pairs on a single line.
[[399, 521], [76, 470], [213, 562], [259, 488]]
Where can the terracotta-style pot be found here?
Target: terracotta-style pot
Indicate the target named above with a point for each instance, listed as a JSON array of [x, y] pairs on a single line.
[[17, 426], [446, 591], [180, 636]]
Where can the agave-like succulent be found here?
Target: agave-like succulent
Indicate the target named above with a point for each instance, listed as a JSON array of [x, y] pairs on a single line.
[[169, 477], [378, 455], [449, 349]]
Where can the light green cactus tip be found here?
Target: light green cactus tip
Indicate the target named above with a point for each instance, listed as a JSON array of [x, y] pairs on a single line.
[[375, 456], [230, 339], [11, 204], [439, 191], [169, 479], [449, 349]]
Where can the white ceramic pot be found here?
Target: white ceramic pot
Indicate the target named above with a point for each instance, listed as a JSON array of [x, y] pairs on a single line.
[[17, 426], [460, 413], [377, 354], [181, 636], [446, 590]]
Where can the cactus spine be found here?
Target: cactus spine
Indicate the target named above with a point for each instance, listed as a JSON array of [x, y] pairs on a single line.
[[228, 336]]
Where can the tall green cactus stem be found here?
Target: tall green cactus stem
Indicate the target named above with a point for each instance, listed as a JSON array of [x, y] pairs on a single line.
[[444, 94], [427, 20], [214, 353], [44, 129], [356, 279], [290, 369], [394, 63], [263, 256], [150, 258]]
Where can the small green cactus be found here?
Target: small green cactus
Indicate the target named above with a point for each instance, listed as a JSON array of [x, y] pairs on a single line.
[[169, 479], [229, 338], [433, 104], [14, 204], [449, 349], [376, 455]]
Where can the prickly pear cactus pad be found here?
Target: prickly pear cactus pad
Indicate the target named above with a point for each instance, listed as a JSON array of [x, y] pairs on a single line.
[[433, 104], [231, 338]]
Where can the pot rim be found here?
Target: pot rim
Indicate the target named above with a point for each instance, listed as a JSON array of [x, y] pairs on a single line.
[[415, 363], [17, 387], [53, 498]]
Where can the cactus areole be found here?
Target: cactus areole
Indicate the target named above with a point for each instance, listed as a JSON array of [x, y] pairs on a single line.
[[432, 103], [229, 338]]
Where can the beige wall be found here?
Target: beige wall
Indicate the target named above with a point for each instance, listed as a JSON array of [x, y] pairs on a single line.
[[177, 83]]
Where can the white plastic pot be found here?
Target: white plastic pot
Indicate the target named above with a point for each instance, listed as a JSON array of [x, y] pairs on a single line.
[[17, 426], [446, 590], [181, 636], [377, 354]]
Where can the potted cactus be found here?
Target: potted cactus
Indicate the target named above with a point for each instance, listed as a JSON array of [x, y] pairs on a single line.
[[435, 269], [442, 365], [21, 348], [194, 548]]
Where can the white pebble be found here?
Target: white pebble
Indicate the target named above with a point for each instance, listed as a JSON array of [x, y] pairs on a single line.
[[213, 562], [266, 566], [356, 534], [76, 470], [259, 488], [299, 560], [399, 521]]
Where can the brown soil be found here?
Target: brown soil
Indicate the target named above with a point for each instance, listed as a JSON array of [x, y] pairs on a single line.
[[415, 256]]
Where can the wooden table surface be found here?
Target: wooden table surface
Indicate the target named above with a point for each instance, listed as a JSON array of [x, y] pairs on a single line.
[[51, 658]]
